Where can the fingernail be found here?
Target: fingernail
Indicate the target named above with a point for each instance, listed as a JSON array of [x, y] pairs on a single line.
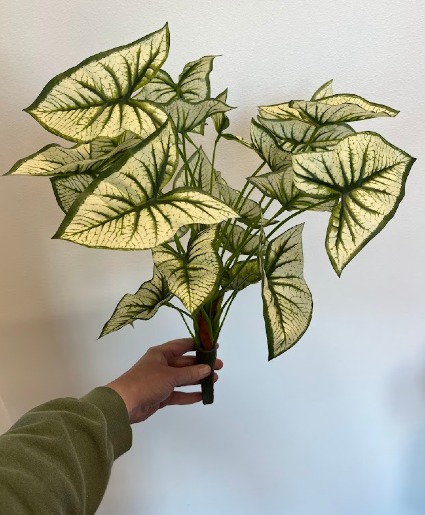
[[204, 370]]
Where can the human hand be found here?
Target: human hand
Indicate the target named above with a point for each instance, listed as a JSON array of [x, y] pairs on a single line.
[[149, 384]]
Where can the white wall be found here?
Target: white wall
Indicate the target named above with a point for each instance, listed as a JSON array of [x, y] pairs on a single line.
[[336, 425]]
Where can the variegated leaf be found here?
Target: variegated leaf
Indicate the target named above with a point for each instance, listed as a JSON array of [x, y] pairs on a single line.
[[340, 109], [187, 116], [280, 111], [94, 98], [237, 239], [160, 89], [141, 305], [193, 84], [368, 174], [192, 277], [281, 187], [88, 157], [345, 98], [124, 209], [267, 148], [194, 81], [325, 90], [67, 189], [241, 275], [287, 302], [296, 135], [102, 146]]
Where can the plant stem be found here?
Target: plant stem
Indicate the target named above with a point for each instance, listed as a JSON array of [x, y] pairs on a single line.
[[217, 139], [182, 313]]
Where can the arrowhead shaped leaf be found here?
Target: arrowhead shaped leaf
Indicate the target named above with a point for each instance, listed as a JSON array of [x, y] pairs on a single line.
[[56, 160], [94, 98], [287, 301], [193, 84], [141, 305], [368, 174], [325, 90], [241, 275], [267, 148], [124, 208], [187, 116], [67, 189], [191, 277], [281, 187], [340, 109], [295, 135]]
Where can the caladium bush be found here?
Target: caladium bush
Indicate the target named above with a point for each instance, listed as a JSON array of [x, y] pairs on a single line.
[[138, 178]]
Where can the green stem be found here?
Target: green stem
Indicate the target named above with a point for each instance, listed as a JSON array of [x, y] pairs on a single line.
[[217, 139], [182, 313], [283, 222]]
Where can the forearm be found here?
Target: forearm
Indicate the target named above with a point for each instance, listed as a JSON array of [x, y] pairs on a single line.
[[57, 458]]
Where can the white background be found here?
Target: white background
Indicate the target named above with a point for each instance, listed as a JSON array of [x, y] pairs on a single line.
[[334, 426]]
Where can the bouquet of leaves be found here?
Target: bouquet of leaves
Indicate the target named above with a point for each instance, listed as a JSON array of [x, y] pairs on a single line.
[[138, 178]]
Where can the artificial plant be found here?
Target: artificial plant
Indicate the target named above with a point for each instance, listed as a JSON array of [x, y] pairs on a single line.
[[138, 178]]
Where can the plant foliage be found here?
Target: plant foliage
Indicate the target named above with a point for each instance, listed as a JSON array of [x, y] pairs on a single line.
[[138, 178]]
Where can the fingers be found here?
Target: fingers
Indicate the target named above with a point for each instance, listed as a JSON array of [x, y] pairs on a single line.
[[187, 361], [177, 347], [185, 376]]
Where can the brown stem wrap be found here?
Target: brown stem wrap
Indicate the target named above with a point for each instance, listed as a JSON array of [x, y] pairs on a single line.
[[207, 357]]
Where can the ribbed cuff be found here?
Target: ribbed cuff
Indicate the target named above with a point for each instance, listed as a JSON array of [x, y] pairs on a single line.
[[114, 409]]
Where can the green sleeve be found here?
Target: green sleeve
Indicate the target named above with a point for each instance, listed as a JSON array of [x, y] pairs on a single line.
[[57, 458]]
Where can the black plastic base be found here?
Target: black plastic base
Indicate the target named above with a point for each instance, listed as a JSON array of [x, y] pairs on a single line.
[[207, 357]]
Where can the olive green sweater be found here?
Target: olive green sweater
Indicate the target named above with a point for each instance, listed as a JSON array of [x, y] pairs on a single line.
[[57, 458]]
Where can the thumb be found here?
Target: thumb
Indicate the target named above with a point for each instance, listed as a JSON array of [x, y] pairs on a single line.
[[190, 375]]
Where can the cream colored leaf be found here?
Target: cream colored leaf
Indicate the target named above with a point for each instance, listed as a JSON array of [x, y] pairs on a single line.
[[94, 98], [241, 275], [192, 277], [287, 302], [345, 98], [295, 135], [124, 208], [325, 90], [267, 148], [141, 305], [67, 189], [89, 157], [368, 174], [160, 89], [187, 116], [237, 239], [281, 111], [281, 187], [193, 84], [340, 109]]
